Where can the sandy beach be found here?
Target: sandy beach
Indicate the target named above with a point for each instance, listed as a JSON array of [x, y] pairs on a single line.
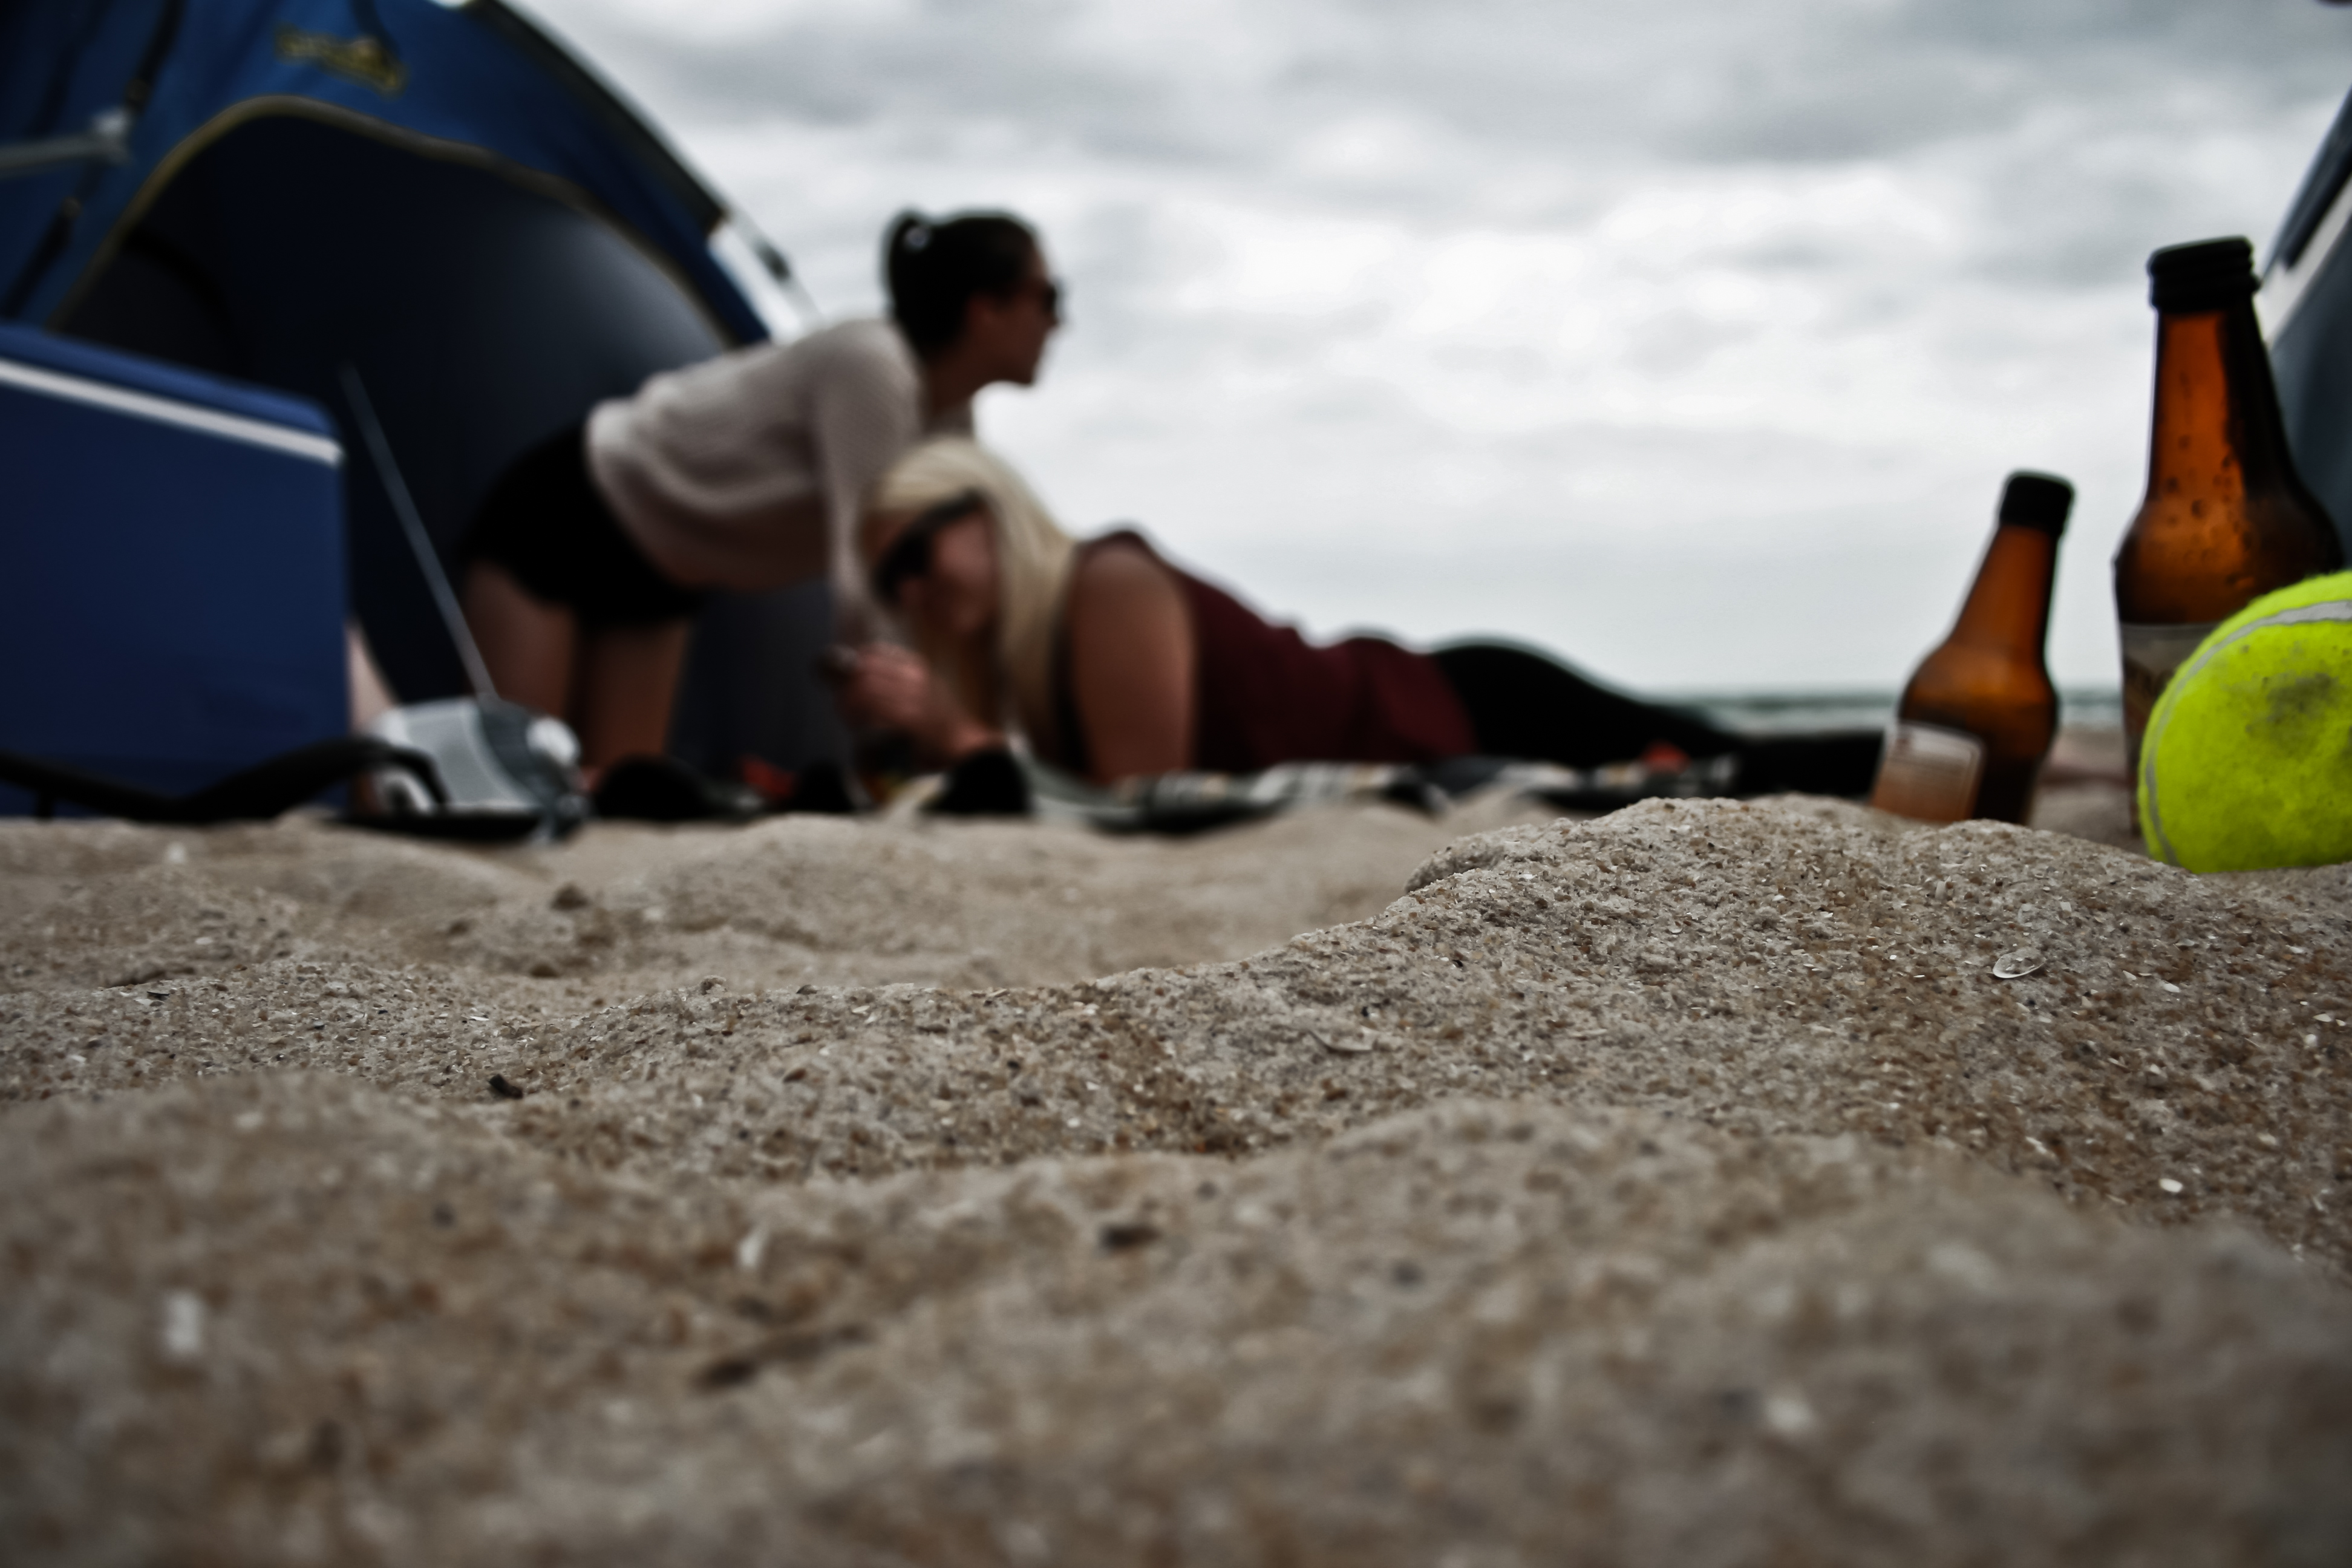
[[1707, 1183]]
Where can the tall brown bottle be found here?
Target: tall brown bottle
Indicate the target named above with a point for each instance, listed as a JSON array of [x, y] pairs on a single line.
[[1980, 713], [2226, 518]]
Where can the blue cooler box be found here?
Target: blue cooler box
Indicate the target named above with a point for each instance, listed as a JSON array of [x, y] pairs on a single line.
[[172, 591]]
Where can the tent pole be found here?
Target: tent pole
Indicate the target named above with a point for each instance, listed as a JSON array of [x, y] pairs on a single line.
[[428, 560]]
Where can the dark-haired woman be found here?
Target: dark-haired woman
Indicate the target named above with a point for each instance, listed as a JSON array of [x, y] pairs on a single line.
[[745, 473]]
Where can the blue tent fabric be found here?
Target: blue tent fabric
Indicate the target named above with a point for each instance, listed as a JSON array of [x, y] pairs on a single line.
[[476, 78], [440, 197], [482, 316]]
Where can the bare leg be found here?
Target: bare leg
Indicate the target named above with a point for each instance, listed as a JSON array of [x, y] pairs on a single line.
[[370, 697], [629, 681], [530, 645]]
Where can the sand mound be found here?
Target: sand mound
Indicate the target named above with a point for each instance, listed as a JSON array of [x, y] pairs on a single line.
[[1680, 1186]]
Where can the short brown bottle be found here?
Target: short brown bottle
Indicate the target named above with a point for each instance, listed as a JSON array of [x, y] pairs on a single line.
[[1979, 712], [2226, 518]]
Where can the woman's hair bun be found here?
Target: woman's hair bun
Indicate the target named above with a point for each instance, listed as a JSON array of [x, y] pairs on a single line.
[[910, 230], [933, 268]]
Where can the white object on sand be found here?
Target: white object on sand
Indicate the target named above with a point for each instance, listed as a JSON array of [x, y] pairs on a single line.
[[2017, 962]]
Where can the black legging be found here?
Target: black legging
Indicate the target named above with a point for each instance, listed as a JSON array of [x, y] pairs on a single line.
[[1522, 704]]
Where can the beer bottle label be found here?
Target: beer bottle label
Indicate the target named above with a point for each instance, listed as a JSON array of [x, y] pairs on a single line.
[[1928, 772], [2151, 654]]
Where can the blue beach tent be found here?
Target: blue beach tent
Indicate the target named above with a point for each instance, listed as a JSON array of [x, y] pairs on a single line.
[[438, 196]]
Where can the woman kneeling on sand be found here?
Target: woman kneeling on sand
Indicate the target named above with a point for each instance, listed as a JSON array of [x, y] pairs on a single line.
[[1111, 662], [593, 552]]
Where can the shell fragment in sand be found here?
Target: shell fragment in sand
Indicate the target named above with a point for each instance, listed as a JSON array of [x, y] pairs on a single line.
[[1346, 1044], [2017, 962], [184, 1326]]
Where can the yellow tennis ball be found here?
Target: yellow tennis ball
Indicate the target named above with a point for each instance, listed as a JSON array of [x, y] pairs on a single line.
[[2247, 763]]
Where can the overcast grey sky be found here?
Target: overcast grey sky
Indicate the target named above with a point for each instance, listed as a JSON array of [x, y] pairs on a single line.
[[1690, 342]]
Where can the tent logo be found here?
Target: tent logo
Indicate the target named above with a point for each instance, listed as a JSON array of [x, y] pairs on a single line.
[[365, 59]]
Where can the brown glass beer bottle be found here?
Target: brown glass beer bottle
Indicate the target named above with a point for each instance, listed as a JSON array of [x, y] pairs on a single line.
[[1979, 712], [2226, 518]]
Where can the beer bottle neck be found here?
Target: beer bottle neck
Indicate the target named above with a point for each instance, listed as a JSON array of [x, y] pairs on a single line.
[[2008, 606], [2217, 427]]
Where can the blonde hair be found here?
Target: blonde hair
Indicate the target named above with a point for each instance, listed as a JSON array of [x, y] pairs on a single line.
[[1033, 570]]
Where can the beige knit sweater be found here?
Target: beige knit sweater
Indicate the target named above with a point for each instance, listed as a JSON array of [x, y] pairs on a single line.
[[747, 472]]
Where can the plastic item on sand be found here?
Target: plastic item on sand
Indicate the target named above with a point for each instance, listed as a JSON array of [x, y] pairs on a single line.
[[506, 772]]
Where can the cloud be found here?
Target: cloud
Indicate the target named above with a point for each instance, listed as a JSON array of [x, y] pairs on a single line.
[[1561, 321]]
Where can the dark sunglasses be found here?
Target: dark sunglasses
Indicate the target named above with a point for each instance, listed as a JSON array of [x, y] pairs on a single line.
[[909, 555], [1049, 292]]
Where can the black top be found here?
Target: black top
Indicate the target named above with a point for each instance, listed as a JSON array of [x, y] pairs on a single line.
[[2037, 500], [2211, 275]]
